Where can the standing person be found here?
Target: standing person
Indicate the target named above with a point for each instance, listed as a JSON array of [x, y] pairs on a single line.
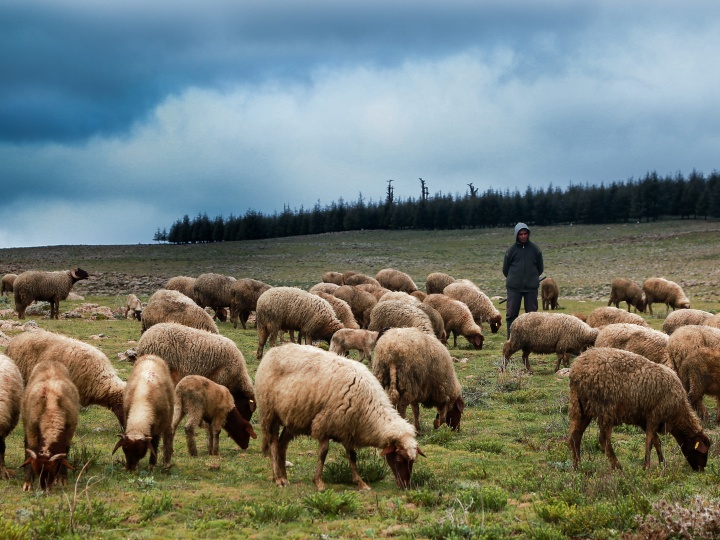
[[522, 267]]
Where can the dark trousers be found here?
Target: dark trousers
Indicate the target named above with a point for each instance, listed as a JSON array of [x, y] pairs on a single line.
[[514, 299]]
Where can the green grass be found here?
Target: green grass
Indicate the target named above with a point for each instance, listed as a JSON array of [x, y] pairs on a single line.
[[505, 473]]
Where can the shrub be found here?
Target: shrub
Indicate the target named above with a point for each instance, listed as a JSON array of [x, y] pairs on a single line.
[[330, 503]]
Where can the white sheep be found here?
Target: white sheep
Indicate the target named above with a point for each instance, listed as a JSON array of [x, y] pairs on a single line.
[[687, 340], [399, 314], [620, 387], [205, 402], [173, 306], [348, 339], [478, 302], [214, 291], [328, 288], [610, 315], [148, 401], [90, 370], [683, 317], [645, 341], [436, 282], [395, 280], [134, 305], [356, 278], [666, 292], [417, 369], [183, 284], [11, 393], [7, 284], [458, 319], [36, 285], [308, 391]]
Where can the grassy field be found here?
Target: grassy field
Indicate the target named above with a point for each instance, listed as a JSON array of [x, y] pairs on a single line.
[[506, 473]]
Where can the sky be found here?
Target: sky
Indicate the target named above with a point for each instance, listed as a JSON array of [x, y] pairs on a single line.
[[118, 118]]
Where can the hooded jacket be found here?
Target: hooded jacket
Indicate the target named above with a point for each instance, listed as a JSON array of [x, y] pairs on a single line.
[[523, 264]]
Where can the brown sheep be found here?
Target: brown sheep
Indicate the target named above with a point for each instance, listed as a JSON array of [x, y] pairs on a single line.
[[666, 292], [625, 290], [611, 315], [7, 284], [684, 317], [244, 294], [549, 292], [436, 282], [458, 319], [395, 280], [361, 302], [35, 285]]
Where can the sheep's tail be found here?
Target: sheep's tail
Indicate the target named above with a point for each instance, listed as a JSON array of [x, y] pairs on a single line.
[[393, 392]]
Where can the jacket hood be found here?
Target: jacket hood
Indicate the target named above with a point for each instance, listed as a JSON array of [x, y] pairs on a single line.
[[519, 227]]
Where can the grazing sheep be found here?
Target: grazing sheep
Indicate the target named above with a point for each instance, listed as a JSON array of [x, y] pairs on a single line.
[[713, 321], [348, 339], [400, 296], [398, 314], [133, 303], [361, 302], [687, 340], [666, 292], [183, 284], [395, 280], [478, 302], [11, 394], [328, 288], [620, 387], [416, 368], [683, 317], [438, 324], [288, 308], [90, 370], [458, 319], [580, 316], [341, 308], [610, 315], [213, 290], [700, 375], [436, 282], [173, 306], [545, 333], [148, 401], [419, 295], [189, 351], [357, 279], [36, 285], [7, 284], [652, 344], [377, 292], [244, 294], [625, 290], [50, 410], [333, 277], [209, 403], [549, 292], [312, 392]]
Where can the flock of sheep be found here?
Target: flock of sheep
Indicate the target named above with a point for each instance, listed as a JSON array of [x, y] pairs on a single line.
[[183, 367]]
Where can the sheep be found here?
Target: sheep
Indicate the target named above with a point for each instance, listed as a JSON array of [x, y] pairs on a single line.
[[288, 308], [397, 314], [36, 285], [700, 375], [347, 339], [713, 321], [436, 282], [438, 324], [317, 393], [50, 410], [213, 290], [173, 306], [209, 403], [361, 302], [244, 294], [183, 284], [666, 292], [549, 292], [341, 308], [328, 288], [650, 343], [546, 333], [478, 302], [621, 387], [401, 296], [686, 340], [7, 284], [458, 319], [333, 277], [625, 290], [395, 280], [683, 317], [133, 303], [148, 401], [357, 279], [189, 351], [416, 368], [610, 315], [419, 295], [377, 292], [11, 394], [90, 370]]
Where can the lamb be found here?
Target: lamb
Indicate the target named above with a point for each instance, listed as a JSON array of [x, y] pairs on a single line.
[[342, 310], [50, 410], [7, 284], [36, 285], [549, 292], [620, 387], [666, 292], [395, 280], [333, 277], [397, 314], [173, 306], [436, 282], [148, 401], [244, 294], [652, 344], [183, 284], [11, 394], [348, 339], [312, 392], [687, 340], [90, 370], [133, 303], [625, 290], [611, 315], [357, 279], [361, 302], [214, 291], [209, 403], [189, 351], [683, 317], [546, 333], [288, 308], [458, 319], [478, 302], [416, 368]]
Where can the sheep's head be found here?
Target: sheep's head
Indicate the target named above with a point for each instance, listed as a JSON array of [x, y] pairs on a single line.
[[134, 450], [495, 323], [221, 314], [245, 404], [401, 462], [476, 339], [77, 274], [695, 449], [46, 466], [239, 429], [453, 415]]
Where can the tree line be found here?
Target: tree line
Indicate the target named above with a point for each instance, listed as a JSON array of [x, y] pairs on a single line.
[[646, 199]]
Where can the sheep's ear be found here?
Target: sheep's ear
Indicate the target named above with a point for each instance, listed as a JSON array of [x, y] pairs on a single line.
[[421, 452], [701, 447], [57, 456], [118, 444], [460, 404], [389, 450], [250, 431], [31, 453]]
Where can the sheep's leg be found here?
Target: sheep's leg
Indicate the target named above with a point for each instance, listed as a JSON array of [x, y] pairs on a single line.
[[278, 471], [190, 435], [658, 447], [606, 445], [322, 454], [262, 338], [578, 425], [454, 339], [167, 447], [214, 429], [401, 408], [155, 442], [29, 478], [526, 361], [285, 437], [352, 457], [416, 415]]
